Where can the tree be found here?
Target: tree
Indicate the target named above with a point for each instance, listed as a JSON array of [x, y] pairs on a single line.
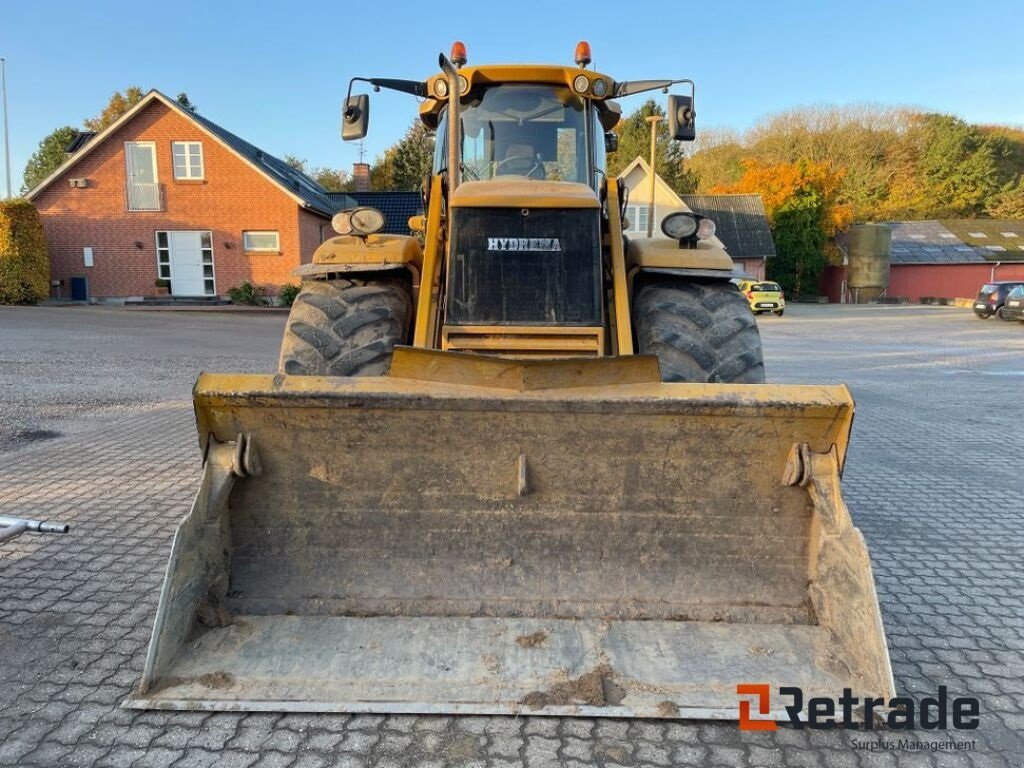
[[186, 102], [119, 104], [48, 157], [404, 164], [24, 264], [331, 180], [804, 211], [634, 134]]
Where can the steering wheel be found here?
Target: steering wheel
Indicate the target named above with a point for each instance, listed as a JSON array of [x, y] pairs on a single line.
[[520, 166]]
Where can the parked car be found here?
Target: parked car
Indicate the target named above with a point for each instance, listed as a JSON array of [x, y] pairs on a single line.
[[1014, 308], [992, 298], [764, 296]]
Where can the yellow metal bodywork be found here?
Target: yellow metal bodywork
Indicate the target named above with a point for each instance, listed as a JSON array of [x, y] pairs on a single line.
[[351, 253], [523, 193], [662, 253], [608, 110]]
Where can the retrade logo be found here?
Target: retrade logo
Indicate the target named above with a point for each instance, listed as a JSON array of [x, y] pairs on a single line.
[[853, 713], [763, 694]]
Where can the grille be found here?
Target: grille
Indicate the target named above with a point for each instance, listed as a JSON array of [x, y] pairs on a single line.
[[525, 267]]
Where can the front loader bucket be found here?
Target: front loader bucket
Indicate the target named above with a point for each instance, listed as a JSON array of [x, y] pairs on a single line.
[[571, 539]]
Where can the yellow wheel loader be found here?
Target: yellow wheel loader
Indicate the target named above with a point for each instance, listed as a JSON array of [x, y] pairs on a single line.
[[519, 462]]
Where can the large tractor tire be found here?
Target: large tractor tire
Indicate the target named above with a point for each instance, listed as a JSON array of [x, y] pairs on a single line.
[[345, 327], [700, 331]]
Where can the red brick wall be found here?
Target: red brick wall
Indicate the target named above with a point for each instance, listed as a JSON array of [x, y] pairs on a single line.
[[313, 230], [232, 198]]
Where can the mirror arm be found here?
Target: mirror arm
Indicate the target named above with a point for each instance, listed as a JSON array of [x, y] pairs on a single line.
[[414, 87]]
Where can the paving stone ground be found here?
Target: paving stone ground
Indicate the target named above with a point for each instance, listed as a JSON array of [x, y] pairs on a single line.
[[96, 429]]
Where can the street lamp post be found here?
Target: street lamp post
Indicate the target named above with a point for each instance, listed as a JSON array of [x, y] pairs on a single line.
[[653, 120], [7, 143]]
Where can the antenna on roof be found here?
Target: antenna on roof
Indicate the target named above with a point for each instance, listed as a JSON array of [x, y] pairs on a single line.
[[362, 151]]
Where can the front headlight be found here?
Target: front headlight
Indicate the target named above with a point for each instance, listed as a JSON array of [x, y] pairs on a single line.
[[358, 221], [687, 226], [366, 221], [679, 225], [581, 83], [705, 229]]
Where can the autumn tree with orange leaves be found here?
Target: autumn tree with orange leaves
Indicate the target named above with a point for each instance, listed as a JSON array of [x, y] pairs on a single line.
[[804, 212]]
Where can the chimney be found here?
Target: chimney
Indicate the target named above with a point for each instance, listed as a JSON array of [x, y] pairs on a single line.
[[361, 176]]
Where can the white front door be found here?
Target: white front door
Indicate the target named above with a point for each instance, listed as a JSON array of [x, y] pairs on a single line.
[[187, 276]]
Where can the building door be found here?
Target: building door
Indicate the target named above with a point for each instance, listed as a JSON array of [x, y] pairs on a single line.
[[187, 274], [142, 190]]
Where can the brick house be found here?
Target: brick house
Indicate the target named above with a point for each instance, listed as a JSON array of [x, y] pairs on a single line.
[[164, 193]]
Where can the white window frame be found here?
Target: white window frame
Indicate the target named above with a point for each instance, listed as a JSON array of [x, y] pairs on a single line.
[[192, 173], [633, 214], [248, 249]]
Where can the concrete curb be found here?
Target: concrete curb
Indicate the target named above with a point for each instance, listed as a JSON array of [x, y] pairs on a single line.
[[228, 308]]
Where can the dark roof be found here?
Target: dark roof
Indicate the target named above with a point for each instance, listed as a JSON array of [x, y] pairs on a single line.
[[81, 139], [312, 194], [956, 241], [397, 207], [740, 223]]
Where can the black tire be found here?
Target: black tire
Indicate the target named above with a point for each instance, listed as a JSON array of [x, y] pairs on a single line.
[[701, 332], [1001, 314], [345, 327], [780, 312], [982, 316]]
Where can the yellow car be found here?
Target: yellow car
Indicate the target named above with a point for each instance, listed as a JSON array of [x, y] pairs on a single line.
[[764, 296]]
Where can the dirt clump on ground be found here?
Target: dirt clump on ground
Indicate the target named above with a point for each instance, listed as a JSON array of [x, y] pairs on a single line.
[[596, 688], [532, 641], [216, 680]]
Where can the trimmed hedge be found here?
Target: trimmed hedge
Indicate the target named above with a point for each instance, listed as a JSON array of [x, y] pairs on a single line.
[[24, 264]]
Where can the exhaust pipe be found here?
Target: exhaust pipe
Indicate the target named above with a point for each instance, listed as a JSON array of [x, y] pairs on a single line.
[[454, 123]]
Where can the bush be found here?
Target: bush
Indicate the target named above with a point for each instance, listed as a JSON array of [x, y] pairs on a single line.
[[288, 293], [247, 293], [24, 264]]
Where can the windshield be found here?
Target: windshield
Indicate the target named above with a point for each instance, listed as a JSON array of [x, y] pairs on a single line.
[[766, 287], [986, 289], [529, 131]]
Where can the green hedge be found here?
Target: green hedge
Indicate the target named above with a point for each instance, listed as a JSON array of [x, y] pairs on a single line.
[[24, 265]]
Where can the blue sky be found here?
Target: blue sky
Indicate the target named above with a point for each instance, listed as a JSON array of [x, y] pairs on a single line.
[[276, 72]]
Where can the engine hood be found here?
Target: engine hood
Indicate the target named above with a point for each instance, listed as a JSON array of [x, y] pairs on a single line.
[[515, 192]]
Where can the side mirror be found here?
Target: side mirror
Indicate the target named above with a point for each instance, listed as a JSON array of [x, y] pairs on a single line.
[[611, 141], [681, 118], [355, 117]]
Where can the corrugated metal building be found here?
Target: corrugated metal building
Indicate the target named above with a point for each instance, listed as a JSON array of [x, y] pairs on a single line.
[[949, 259]]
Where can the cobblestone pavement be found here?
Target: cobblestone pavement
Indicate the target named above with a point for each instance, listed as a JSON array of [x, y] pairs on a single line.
[[933, 480]]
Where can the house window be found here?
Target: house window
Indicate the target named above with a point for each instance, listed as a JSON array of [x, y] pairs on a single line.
[[261, 241], [188, 159], [163, 256], [637, 215], [206, 246]]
